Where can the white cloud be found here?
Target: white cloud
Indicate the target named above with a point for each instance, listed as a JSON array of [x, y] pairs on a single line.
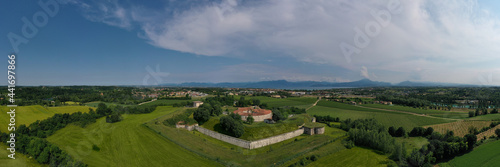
[[364, 72], [427, 35]]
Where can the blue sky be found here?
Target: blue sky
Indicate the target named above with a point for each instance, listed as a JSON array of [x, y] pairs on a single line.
[[121, 42]]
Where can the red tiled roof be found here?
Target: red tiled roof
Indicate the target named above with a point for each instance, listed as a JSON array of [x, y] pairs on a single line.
[[255, 112]]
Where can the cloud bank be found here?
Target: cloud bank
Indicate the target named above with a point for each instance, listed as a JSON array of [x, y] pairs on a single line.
[[443, 41]]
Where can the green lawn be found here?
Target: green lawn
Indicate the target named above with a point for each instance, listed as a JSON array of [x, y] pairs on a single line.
[[386, 118], [29, 114], [353, 157], [484, 155], [436, 113], [125, 143]]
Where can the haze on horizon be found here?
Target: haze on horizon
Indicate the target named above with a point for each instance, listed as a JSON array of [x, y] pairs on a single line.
[[136, 42]]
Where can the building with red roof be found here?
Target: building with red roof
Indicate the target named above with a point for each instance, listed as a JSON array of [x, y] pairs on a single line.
[[257, 113]]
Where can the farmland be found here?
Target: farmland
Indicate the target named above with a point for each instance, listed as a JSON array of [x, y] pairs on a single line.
[[386, 118], [484, 155], [126, 143], [460, 128], [29, 114], [488, 133]]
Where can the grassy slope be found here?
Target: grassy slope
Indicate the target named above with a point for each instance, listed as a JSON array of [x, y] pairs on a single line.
[[126, 143], [387, 118], [484, 155], [353, 157], [20, 161], [29, 114], [486, 117]]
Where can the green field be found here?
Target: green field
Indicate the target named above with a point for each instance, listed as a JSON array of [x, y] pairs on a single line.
[[125, 143], [29, 114], [436, 113], [353, 157], [489, 117], [484, 155], [386, 118], [95, 103]]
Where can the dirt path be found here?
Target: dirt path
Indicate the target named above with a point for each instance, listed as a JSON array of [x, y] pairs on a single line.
[[314, 104], [406, 112], [147, 102]]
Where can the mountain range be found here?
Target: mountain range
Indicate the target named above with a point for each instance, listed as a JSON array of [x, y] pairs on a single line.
[[283, 84]]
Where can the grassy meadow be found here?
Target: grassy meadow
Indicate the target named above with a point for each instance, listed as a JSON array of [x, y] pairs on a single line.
[[20, 161], [125, 143], [29, 114], [355, 156]]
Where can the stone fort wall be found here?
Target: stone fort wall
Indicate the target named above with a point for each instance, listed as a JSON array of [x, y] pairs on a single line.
[[250, 144]]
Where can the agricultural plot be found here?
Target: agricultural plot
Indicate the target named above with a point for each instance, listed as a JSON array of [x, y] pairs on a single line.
[[484, 155], [386, 118], [353, 157], [29, 114], [459, 128], [436, 113], [125, 143], [488, 133]]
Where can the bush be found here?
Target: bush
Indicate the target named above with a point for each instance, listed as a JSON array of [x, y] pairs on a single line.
[[201, 116], [95, 148], [250, 119], [472, 114], [400, 132], [233, 127], [497, 132]]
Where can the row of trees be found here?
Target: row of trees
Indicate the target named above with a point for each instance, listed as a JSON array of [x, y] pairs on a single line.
[[42, 151], [80, 94], [482, 111]]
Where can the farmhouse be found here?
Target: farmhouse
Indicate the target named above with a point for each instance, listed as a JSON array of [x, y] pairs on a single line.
[[258, 114]]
